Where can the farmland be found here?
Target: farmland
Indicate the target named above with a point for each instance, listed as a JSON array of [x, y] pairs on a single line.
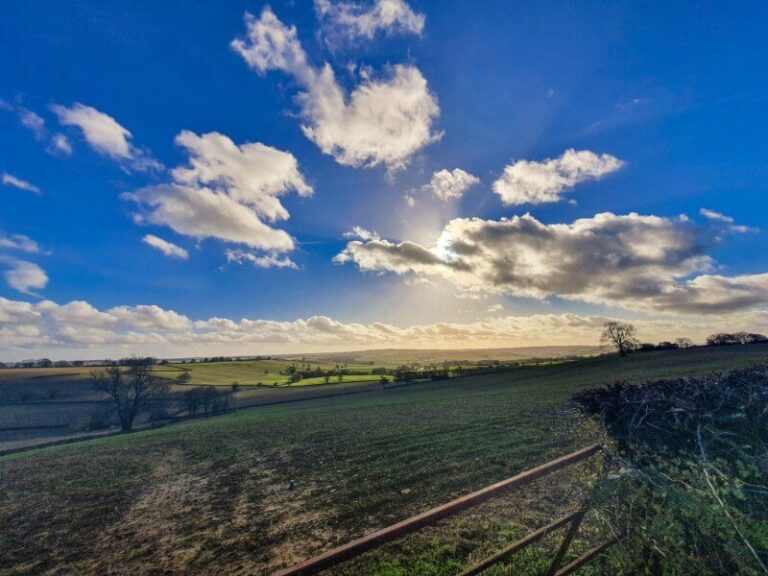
[[41, 403], [213, 496]]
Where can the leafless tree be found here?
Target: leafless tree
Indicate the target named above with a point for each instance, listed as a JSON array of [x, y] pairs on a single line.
[[683, 342], [212, 400], [192, 401], [235, 389], [131, 386], [621, 335]]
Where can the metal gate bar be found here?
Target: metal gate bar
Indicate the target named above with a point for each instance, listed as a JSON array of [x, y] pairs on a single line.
[[569, 536], [586, 557], [519, 545], [376, 539]]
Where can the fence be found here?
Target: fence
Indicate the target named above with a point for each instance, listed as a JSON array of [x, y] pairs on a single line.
[[376, 539]]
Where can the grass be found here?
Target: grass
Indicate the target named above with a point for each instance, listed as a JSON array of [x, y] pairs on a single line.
[[212, 497], [392, 358], [347, 378], [248, 371]]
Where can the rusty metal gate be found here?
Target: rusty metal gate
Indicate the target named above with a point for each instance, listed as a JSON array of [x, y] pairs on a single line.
[[414, 523]]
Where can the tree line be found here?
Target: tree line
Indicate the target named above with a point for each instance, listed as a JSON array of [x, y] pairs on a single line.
[[622, 336]]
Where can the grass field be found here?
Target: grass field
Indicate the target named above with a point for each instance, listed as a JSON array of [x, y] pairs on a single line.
[[344, 378], [248, 371], [398, 356], [212, 497]]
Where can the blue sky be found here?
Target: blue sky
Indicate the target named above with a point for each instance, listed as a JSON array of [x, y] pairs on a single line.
[[424, 118]]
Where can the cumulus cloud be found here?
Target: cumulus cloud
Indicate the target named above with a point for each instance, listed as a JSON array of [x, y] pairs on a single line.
[[361, 233], [450, 184], [204, 213], [226, 192], [21, 275], [252, 173], [350, 21], [15, 182], [167, 248], [105, 135], [633, 261], [529, 182], [382, 122], [24, 276], [79, 329]]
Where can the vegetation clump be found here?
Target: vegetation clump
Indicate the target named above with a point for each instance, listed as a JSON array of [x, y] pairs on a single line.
[[693, 457]]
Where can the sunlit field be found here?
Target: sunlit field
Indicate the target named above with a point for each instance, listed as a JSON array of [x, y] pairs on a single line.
[[213, 496]]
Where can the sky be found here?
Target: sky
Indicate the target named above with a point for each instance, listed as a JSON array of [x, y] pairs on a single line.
[[249, 178]]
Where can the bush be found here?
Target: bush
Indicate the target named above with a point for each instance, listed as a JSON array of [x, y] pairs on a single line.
[[697, 453]]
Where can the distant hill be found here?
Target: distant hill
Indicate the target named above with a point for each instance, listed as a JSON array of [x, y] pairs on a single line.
[[398, 356]]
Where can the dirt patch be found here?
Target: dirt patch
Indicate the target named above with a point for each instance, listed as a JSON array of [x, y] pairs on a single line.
[[233, 520]]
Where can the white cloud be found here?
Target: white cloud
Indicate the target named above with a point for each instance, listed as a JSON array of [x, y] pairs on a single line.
[[260, 261], [167, 248], [361, 233], [528, 182], [410, 200], [632, 261], [204, 213], [19, 242], [25, 276], [105, 135], [252, 173], [383, 121], [726, 220], [450, 184], [33, 122], [149, 317], [11, 180], [60, 145], [78, 329], [102, 132], [349, 21], [226, 192], [716, 216]]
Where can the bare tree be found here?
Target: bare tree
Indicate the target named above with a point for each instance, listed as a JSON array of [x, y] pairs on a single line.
[[683, 342], [621, 335], [192, 401], [235, 389], [132, 387], [212, 400]]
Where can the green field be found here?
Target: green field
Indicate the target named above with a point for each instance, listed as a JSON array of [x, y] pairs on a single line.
[[347, 378], [212, 497], [250, 372], [398, 356]]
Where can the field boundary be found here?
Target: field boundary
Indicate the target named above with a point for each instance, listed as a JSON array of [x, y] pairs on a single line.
[[376, 539], [81, 437]]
